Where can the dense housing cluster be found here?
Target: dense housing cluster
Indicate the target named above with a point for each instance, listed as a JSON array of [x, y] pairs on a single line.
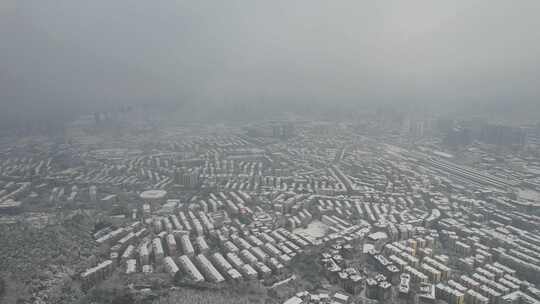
[[212, 207]]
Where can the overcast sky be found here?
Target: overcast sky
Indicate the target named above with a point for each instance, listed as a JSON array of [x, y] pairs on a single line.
[[65, 55]]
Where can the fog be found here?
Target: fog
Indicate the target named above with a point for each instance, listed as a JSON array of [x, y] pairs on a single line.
[[59, 58]]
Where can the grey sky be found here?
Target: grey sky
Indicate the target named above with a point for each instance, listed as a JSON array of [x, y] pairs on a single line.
[[68, 54]]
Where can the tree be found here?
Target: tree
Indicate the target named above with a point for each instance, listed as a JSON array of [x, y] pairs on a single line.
[[123, 299]]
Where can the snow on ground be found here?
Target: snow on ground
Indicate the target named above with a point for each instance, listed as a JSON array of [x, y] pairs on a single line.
[[315, 229], [529, 194]]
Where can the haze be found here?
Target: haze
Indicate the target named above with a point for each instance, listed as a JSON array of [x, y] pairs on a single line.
[[63, 57]]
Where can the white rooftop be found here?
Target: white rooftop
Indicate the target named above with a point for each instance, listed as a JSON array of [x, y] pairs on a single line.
[[153, 194]]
